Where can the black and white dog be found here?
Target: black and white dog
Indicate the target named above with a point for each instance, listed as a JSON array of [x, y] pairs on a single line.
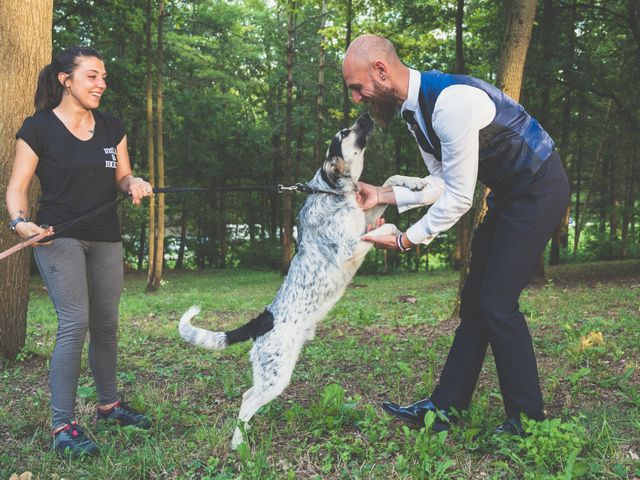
[[329, 253]]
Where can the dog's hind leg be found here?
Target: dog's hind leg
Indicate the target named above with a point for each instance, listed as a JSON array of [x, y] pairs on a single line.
[[252, 400], [271, 375]]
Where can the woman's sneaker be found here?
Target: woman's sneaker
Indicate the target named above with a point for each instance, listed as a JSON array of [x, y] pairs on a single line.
[[71, 442], [124, 415]]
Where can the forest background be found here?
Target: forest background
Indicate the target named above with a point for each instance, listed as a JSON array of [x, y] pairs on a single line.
[[251, 92]]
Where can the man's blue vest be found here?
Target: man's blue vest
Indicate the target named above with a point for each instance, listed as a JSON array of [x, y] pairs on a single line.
[[513, 143]]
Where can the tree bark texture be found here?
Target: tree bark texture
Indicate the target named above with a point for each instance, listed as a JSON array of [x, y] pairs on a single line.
[[287, 216], [459, 39], [158, 257], [150, 145], [25, 47]]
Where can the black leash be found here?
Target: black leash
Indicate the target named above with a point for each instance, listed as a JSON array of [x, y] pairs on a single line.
[[297, 188]]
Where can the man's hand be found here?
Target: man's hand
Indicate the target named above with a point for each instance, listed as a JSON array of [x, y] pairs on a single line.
[[379, 241], [387, 242], [368, 196]]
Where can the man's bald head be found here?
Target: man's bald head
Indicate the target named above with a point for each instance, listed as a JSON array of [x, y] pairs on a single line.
[[369, 48]]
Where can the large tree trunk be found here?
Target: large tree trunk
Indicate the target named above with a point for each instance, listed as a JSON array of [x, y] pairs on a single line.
[[150, 145], [25, 47], [520, 16], [158, 256], [287, 216]]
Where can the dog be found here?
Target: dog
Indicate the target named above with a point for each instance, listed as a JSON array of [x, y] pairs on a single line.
[[330, 224]]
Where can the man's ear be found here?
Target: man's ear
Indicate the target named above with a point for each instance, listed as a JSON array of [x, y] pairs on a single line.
[[381, 70], [332, 169]]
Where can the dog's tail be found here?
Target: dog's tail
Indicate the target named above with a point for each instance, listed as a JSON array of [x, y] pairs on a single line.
[[219, 340]]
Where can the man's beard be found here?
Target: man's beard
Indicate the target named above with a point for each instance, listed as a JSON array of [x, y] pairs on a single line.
[[384, 106]]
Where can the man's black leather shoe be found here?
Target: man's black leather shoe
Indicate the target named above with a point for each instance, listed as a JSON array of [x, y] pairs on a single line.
[[511, 426], [414, 414]]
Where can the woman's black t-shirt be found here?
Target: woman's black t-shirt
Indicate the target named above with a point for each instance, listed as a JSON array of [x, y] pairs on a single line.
[[76, 176]]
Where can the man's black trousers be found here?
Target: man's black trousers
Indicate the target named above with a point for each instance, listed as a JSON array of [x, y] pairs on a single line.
[[505, 250]]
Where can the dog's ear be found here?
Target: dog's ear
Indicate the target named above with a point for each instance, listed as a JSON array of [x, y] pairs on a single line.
[[332, 169]]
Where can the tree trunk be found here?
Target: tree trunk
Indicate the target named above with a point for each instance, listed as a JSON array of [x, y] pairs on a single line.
[[318, 151], [544, 118], [628, 202], [183, 237], [520, 16], [287, 217], [459, 38], [221, 237], [594, 177], [25, 47], [560, 239], [158, 257], [141, 245], [150, 145], [579, 160], [346, 101]]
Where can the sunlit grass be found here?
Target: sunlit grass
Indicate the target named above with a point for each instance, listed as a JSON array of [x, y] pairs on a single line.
[[328, 423]]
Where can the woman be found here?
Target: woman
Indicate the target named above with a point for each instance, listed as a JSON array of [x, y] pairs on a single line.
[[80, 157]]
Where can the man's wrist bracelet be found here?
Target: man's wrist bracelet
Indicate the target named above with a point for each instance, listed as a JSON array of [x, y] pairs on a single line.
[[400, 246]]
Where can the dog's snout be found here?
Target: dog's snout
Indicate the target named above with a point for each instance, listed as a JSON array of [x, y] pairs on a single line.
[[365, 122]]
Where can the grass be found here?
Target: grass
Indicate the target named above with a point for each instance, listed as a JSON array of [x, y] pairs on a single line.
[[328, 423]]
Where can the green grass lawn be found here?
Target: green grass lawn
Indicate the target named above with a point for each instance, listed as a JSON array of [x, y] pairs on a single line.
[[328, 423]]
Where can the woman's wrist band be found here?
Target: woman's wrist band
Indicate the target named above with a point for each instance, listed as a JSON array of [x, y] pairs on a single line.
[[14, 223], [400, 246]]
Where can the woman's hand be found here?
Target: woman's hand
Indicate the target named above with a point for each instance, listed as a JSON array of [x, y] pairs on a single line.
[[138, 189], [26, 230]]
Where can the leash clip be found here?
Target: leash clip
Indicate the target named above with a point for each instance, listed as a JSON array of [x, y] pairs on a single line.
[[293, 188]]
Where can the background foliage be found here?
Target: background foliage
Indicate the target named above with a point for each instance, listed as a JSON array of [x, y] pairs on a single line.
[[224, 101]]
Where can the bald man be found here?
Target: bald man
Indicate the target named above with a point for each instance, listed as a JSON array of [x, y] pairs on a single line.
[[468, 130]]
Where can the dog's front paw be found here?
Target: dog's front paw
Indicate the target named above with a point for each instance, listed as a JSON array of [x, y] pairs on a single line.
[[412, 183], [385, 229]]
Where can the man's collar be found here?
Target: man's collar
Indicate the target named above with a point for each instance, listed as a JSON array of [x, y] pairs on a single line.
[[411, 103]]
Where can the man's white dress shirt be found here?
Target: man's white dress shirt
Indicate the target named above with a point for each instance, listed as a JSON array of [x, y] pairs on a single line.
[[460, 112]]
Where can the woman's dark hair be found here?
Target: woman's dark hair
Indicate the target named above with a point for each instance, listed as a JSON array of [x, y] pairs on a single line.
[[49, 90]]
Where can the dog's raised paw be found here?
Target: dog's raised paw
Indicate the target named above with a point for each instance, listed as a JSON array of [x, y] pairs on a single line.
[[412, 183]]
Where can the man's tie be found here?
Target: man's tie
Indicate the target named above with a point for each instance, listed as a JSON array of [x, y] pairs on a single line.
[[409, 116]]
